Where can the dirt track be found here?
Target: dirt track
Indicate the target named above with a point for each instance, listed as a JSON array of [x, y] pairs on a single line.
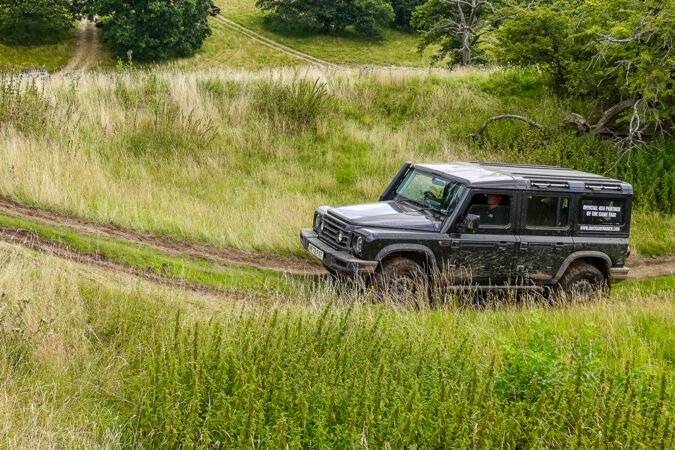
[[167, 245], [272, 44], [88, 51], [641, 267], [34, 241]]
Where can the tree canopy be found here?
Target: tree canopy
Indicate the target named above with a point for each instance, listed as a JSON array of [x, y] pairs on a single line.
[[35, 21], [327, 16], [153, 30], [403, 10], [618, 51], [456, 27]]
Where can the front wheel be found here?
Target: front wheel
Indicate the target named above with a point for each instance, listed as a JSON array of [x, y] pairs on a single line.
[[401, 280], [582, 280]]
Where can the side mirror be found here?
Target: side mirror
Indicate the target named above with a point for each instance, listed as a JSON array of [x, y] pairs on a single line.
[[470, 222]]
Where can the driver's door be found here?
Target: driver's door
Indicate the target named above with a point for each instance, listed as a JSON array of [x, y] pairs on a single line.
[[484, 255]]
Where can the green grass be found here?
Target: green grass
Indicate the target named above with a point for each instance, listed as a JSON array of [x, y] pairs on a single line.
[[51, 57], [88, 360], [662, 286], [227, 48], [394, 48]]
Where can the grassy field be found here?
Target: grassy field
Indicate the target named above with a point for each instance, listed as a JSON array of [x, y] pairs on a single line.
[[394, 48], [91, 359], [51, 57], [228, 49], [242, 158]]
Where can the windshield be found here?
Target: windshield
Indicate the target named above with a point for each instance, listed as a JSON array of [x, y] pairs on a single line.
[[430, 191]]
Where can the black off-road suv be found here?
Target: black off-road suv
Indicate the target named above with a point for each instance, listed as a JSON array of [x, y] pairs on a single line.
[[483, 226]]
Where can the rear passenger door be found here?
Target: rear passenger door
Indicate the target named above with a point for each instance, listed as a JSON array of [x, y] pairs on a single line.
[[545, 235]]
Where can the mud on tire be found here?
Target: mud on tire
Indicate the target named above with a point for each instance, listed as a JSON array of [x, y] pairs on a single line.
[[401, 280], [582, 280]]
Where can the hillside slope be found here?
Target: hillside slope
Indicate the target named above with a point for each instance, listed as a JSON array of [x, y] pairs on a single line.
[[395, 48]]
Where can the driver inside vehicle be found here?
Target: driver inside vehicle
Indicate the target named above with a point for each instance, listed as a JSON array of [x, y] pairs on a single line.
[[493, 209]]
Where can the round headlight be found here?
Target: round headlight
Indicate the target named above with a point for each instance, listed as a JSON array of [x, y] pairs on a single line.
[[317, 221], [357, 244]]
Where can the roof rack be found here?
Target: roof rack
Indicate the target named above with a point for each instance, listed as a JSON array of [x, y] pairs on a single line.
[[580, 177], [549, 184], [603, 186], [524, 166]]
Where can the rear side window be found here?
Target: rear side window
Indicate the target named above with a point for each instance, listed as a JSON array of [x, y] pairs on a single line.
[[547, 211], [601, 214]]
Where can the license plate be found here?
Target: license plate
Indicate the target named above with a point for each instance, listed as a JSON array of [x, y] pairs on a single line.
[[315, 251]]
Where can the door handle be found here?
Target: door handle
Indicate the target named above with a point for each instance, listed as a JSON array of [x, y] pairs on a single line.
[[455, 243], [502, 245]]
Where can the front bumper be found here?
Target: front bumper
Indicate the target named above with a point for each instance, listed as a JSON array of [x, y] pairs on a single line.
[[617, 274], [341, 261]]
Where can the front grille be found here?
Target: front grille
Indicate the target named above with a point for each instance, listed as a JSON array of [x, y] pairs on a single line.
[[331, 229]]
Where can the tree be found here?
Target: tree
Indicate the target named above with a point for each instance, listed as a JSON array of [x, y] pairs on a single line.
[[153, 30], [617, 51], [456, 26], [538, 36], [35, 21], [330, 16], [403, 10]]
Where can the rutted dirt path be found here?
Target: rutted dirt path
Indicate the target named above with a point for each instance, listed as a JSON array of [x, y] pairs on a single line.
[[272, 44], [167, 245], [33, 241], [641, 267], [651, 267], [87, 53]]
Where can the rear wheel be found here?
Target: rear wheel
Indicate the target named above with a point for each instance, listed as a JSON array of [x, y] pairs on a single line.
[[401, 280], [582, 280]]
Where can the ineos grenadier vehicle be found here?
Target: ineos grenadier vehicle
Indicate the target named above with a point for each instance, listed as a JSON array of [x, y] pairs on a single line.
[[481, 226]]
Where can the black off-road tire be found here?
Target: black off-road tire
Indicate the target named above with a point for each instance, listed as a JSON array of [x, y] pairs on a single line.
[[401, 280], [582, 280]]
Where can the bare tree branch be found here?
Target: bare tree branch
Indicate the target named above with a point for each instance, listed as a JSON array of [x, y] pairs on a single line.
[[609, 116], [481, 132]]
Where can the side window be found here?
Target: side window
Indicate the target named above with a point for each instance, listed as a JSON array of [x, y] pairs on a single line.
[[494, 210], [547, 211], [601, 214]]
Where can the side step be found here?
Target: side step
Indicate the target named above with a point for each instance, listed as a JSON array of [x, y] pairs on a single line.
[[494, 288]]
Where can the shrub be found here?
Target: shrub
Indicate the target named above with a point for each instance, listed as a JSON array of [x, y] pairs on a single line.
[[23, 105], [293, 105]]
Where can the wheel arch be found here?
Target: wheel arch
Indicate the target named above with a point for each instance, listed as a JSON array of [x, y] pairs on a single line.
[[598, 259], [415, 252]]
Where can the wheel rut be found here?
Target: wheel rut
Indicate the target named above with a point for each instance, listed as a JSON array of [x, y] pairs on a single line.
[[170, 246], [271, 43], [88, 50], [33, 241]]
